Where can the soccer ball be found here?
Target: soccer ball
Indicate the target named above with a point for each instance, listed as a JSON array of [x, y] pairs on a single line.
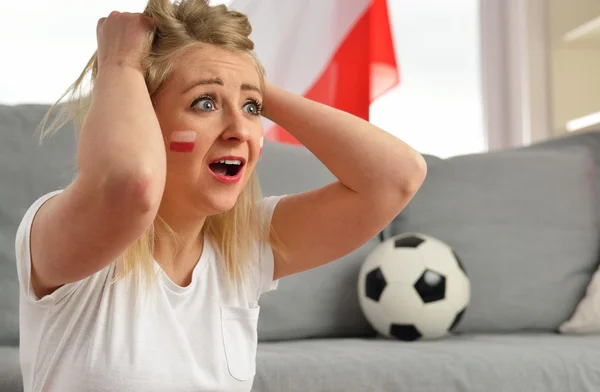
[[413, 287]]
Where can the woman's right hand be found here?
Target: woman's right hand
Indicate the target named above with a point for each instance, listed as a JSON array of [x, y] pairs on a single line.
[[123, 39]]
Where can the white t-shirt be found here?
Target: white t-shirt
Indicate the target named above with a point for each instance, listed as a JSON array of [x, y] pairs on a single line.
[[86, 335]]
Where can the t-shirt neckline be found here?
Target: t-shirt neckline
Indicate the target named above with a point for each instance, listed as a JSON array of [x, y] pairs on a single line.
[[199, 268]]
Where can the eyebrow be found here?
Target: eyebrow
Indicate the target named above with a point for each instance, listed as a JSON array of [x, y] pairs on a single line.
[[219, 81]]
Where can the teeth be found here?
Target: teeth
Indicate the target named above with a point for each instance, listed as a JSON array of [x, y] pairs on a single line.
[[231, 161]]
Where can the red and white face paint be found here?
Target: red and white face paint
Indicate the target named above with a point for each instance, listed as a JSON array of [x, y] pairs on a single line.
[[183, 141], [262, 141]]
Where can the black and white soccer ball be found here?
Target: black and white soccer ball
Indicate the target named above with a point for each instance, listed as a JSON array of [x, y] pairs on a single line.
[[413, 287]]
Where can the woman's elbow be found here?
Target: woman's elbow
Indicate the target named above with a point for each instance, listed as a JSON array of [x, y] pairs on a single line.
[[403, 188], [412, 178]]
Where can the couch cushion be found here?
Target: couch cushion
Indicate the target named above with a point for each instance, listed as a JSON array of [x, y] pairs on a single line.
[[523, 223], [491, 363], [586, 318], [285, 169], [10, 370], [318, 303], [26, 172]]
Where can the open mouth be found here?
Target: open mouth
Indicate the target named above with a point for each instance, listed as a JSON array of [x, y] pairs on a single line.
[[226, 167]]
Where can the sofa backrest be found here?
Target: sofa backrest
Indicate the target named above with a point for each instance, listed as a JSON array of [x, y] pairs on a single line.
[[326, 301], [27, 171]]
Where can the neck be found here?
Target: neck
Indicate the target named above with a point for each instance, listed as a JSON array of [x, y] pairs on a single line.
[[181, 253]]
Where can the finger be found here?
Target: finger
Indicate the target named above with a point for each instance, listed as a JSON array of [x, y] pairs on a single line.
[[145, 18], [100, 23], [148, 20]]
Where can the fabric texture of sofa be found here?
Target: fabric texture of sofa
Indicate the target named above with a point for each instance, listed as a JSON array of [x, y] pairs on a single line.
[[525, 222]]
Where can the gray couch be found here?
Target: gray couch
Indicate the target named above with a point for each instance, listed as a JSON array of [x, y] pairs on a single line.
[[524, 222]]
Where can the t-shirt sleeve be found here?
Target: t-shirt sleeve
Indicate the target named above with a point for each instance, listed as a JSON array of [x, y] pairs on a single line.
[[23, 258], [266, 257]]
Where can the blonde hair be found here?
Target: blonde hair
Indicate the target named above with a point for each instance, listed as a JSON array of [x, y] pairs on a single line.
[[178, 27]]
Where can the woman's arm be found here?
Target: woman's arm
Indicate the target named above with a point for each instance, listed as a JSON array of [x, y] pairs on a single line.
[[378, 175], [121, 158]]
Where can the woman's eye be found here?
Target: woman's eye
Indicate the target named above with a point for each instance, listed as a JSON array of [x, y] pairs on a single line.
[[204, 104], [251, 108]]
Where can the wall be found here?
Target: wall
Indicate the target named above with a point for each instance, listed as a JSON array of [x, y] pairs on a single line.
[[575, 61]]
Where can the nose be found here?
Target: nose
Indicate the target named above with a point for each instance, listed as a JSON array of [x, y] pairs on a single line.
[[235, 128]]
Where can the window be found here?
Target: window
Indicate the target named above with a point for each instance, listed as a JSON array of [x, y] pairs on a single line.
[[437, 108]]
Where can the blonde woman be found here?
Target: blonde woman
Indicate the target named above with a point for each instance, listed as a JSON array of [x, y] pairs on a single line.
[[145, 272]]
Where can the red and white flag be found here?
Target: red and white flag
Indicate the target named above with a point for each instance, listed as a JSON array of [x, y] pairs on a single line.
[[338, 52]]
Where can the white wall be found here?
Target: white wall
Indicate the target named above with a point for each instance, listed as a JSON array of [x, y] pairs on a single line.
[[575, 83], [46, 43], [575, 62], [437, 109]]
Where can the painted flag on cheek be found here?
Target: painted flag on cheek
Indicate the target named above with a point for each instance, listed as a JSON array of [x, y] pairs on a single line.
[[182, 141], [340, 53]]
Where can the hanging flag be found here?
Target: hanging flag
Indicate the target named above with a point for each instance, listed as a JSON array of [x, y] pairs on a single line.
[[340, 53]]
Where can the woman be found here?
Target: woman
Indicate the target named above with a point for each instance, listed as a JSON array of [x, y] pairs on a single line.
[[145, 272]]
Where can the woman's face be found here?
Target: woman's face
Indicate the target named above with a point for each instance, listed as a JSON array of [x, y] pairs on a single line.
[[209, 116]]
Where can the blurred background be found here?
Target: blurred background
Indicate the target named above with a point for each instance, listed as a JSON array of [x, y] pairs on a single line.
[[475, 75]]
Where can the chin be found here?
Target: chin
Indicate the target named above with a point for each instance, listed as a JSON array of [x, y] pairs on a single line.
[[217, 201], [220, 206]]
